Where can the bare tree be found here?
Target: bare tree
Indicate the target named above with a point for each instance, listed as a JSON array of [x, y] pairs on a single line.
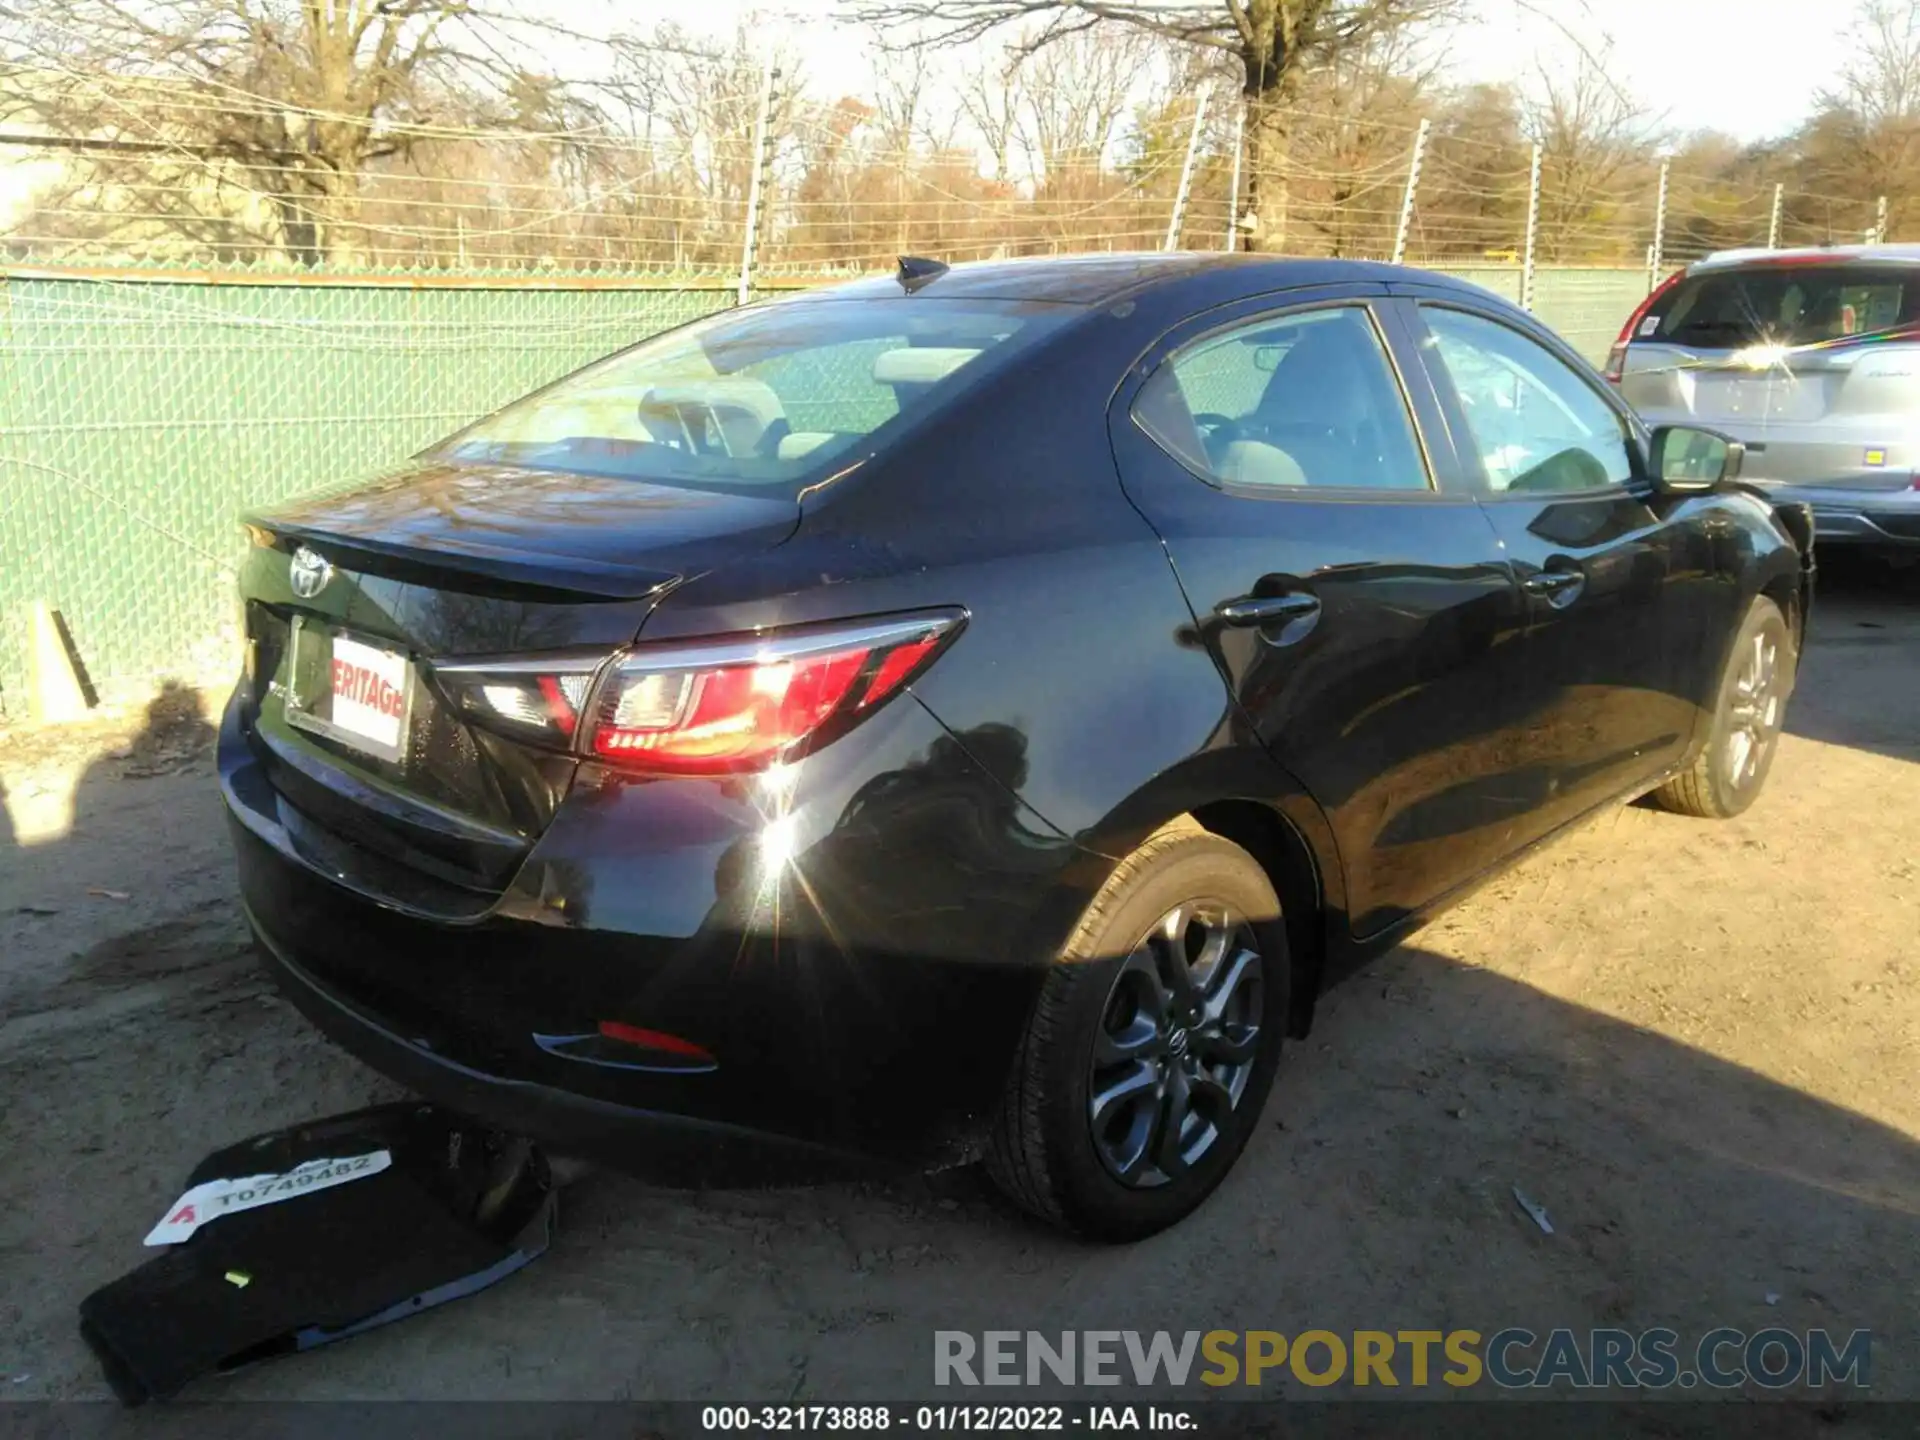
[[992, 100], [1477, 169], [1075, 96], [700, 100], [1350, 144], [1271, 44], [1881, 84], [295, 102], [903, 84], [1864, 140], [902, 80], [1593, 143]]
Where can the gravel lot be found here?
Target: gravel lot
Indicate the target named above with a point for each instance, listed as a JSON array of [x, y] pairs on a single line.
[[1698, 1046]]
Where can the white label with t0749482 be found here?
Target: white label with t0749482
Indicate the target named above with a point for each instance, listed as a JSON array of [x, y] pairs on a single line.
[[214, 1198]]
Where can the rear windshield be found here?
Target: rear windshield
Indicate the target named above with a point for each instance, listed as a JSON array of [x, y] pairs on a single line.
[[766, 396], [1785, 305]]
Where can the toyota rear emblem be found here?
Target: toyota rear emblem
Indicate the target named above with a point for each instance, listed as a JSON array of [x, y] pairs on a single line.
[[309, 573]]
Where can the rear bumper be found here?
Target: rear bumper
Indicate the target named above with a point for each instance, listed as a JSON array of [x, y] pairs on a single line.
[[1846, 516], [667, 1148], [861, 1002], [1846, 525]]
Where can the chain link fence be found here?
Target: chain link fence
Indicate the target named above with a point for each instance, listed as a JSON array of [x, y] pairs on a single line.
[[138, 420], [140, 417]]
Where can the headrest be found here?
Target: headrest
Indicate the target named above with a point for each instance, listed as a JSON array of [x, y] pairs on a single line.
[[922, 366], [1250, 462], [755, 397], [801, 442]]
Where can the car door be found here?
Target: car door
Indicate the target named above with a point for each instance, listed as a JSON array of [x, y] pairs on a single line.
[[1616, 592], [1355, 607]]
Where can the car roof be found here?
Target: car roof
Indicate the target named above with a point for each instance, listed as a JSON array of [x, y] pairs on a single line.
[[1097, 279], [1837, 254]]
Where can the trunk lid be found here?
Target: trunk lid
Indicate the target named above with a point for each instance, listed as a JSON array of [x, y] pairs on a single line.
[[379, 774], [1760, 386], [588, 536]]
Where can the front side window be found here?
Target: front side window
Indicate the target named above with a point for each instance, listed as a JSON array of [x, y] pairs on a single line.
[[1537, 424], [1303, 399], [760, 397]]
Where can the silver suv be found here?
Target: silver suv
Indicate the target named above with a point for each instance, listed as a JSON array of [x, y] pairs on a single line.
[[1811, 358]]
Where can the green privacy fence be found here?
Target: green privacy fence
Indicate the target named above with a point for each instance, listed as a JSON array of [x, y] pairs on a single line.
[[139, 418], [1586, 305], [139, 415]]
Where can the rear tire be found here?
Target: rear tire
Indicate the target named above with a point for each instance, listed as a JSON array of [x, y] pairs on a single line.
[[1153, 1043], [1732, 766]]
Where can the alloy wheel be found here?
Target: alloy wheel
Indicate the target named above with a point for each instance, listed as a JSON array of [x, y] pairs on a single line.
[[1177, 1043], [1753, 714]]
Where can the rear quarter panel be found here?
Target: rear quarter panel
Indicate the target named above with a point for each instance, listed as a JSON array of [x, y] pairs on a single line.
[[1079, 682]]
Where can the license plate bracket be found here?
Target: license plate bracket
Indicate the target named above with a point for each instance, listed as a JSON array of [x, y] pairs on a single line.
[[349, 689]]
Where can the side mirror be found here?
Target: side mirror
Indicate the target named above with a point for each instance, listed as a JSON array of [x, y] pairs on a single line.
[[1686, 461]]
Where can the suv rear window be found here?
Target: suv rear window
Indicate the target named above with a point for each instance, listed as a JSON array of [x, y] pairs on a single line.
[[1786, 305]]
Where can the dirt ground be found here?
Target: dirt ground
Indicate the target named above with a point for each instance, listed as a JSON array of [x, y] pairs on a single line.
[[1697, 1045]]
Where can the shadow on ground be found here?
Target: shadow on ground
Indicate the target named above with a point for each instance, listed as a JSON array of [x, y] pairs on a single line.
[[1859, 684], [1683, 1191]]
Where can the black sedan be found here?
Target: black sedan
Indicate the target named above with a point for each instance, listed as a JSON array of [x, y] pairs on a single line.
[[975, 712]]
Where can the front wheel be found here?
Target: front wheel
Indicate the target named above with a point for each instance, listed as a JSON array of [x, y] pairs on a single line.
[[1152, 1045], [1726, 777]]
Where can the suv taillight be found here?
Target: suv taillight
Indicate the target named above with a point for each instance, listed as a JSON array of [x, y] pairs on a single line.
[[1617, 356], [708, 707]]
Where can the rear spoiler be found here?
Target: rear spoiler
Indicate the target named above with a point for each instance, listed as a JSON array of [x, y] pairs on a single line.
[[470, 567]]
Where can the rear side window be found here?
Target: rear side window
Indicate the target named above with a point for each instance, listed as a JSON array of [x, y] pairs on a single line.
[[1778, 304], [760, 397], [1303, 399]]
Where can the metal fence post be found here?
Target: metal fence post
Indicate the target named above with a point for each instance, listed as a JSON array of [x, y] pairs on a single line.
[[1880, 221], [1533, 230], [1413, 184], [760, 127], [1773, 220], [1186, 175], [1233, 183], [1659, 227]]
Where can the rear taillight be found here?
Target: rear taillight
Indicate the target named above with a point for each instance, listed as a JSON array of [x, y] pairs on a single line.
[[541, 698], [707, 709], [1617, 356], [704, 707]]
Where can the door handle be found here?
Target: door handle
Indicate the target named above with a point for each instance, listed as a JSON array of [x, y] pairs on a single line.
[[1559, 587], [1266, 609]]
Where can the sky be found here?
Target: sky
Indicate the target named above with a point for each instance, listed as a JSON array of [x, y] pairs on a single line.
[[1750, 68]]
